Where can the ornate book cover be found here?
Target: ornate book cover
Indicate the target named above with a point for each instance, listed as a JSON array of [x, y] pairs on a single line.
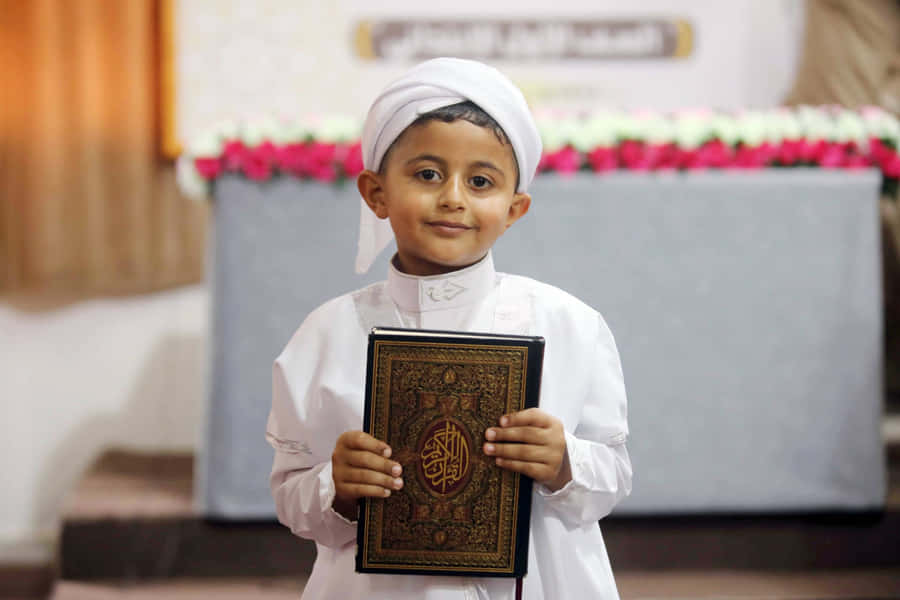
[[431, 395]]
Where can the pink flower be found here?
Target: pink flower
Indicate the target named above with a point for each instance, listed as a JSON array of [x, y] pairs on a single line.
[[879, 150], [662, 156], [810, 151], [788, 152], [856, 161], [266, 151], [766, 152], [234, 154], [322, 154], [258, 163], [566, 160], [750, 157], [603, 159], [714, 153], [325, 173], [291, 158], [352, 163], [832, 157], [209, 168], [891, 166], [634, 156]]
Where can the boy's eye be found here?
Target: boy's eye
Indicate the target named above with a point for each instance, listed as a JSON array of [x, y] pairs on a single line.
[[480, 181], [428, 174]]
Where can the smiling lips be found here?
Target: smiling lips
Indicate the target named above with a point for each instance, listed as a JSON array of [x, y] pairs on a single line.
[[449, 227]]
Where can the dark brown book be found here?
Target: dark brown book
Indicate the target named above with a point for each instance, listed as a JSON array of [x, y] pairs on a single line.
[[431, 395]]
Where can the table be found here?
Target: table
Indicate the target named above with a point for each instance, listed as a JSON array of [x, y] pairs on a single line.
[[747, 308]]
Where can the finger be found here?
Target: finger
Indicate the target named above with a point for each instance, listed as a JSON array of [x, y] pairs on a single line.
[[373, 462], [364, 491], [537, 471], [359, 440], [527, 435], [530, 416], [364, 476], [525, 452]]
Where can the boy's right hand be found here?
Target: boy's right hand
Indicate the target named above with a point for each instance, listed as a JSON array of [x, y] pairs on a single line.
[[361, 468]]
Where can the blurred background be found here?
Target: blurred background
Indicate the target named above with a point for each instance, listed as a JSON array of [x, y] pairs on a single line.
[[108, 323]]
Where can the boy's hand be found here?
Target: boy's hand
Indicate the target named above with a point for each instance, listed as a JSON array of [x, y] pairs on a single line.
[[539, 451], [361, 467]]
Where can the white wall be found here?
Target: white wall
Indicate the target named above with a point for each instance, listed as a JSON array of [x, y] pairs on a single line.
[[238, 58], [126, 372]]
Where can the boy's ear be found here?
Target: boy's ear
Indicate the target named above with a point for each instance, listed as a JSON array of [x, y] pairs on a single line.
[[520, 205], [372, 191]]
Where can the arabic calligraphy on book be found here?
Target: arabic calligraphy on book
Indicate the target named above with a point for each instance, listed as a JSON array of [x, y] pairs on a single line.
[[444, 455]]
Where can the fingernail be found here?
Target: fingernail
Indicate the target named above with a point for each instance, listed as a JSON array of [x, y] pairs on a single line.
[[504, 421], [386, 452], [396, 470], [490, 434], [398, 483], [387, 493], [489, 448]]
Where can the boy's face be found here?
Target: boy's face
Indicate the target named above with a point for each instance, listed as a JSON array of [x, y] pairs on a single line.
[[449, 191]]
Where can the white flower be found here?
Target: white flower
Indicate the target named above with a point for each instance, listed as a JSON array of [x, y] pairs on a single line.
[[551, 137], [571, 133], [724, 127], [816, 123], [692, 129], [656, 129], [207, 144], [336, 129], [628, 127], [189, 180], [752, 128], [227, 129], [256, 131], [849, 127], [600, 130], [879, 123], [784, 125]]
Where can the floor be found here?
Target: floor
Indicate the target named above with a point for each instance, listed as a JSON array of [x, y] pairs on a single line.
[[740, 585], [136, 498]]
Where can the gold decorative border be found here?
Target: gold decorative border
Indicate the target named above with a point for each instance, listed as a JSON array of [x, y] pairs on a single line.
[[385, 417]]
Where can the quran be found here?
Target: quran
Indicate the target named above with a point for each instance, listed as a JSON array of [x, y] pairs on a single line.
[[431, 395]]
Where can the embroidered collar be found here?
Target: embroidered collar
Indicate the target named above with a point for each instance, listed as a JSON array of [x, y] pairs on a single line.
[[437, 292]]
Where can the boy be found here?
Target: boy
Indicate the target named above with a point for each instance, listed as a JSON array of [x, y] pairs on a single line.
[[449, 151]]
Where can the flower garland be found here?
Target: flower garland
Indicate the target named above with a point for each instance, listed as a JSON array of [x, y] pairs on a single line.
[[328, 149]]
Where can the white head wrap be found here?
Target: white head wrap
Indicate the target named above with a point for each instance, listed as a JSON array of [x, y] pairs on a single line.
[[428, 86]]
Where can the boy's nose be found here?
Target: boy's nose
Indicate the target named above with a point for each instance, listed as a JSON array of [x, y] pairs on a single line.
[[453, 194]]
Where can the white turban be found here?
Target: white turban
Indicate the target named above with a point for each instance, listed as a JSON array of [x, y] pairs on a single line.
[[426, 87]]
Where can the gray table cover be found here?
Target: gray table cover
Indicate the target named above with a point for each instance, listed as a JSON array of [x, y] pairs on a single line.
[[746, 306]]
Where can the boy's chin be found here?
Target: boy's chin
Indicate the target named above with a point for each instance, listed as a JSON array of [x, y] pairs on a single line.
[[434, 266]]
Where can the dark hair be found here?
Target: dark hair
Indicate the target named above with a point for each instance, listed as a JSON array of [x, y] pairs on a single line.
[[467, 111]]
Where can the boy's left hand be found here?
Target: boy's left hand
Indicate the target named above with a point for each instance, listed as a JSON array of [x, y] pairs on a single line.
[[533, 443]]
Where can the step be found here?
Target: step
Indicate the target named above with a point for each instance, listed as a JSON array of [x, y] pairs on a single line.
[[132, 518], [855, 584]]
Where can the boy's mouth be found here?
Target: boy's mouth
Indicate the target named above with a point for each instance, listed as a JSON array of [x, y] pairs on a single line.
[[449, 226]]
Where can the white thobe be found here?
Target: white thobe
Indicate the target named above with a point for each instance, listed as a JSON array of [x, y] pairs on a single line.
[[318, 390]]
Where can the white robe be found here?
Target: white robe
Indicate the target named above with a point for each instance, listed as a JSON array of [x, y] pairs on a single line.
[[318, 388]]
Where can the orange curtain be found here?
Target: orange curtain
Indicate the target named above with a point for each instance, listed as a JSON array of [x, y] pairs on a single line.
[[88, 205]]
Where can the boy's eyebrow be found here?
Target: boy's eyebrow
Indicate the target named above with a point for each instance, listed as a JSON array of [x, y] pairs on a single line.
[[488, 165], [430, 157]]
